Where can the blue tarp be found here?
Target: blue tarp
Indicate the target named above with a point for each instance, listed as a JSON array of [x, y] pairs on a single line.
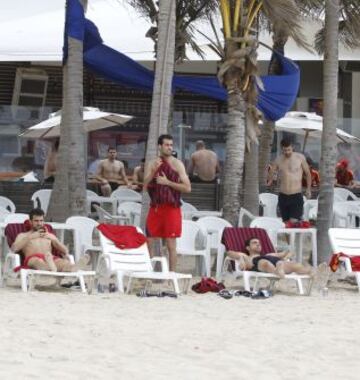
[[277, 98]]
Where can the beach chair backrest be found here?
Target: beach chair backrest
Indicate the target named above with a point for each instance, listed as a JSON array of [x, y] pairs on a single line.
[[126, 260], [192, 237], [84, 228], [7, 204], [216, 226], [345, 240], [41, 198], [234, 239], [185, 206], [129, 209], [126, 195], [271, 225], [269, 202], [16, 218], [344, 194]]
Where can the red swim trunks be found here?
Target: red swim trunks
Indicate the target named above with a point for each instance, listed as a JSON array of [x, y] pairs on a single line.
[[164, 221], [39, 256]]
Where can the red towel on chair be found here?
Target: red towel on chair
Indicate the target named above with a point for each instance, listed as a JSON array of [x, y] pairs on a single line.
[[123, 236], [335, 262]]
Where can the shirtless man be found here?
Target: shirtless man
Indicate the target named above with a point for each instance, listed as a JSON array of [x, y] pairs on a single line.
[[36, 246], [165, 180], [269, 263], [204, 164], [138, 177], [291, 166], [111, 173]]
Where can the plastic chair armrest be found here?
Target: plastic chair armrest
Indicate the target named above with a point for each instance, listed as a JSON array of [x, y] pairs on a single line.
[[163, 262]]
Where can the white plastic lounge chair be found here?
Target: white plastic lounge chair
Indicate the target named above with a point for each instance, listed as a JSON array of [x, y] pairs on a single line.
[[214, 228], [134, 263], [83, 228], [106, 217], [41, 198], [269, 203], [7, 204], [234, 238], [126, 195], [271, 225], [344, 194], [245, 217], [28, 276], [193, 237], [347, 241], [132, 211], [187, 210], [16, 218]]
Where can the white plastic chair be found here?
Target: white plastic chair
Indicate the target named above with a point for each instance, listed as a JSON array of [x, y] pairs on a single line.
[[269, 203], [192, 236], [106, 217], [16, 218], [243, 215], [214, 228], [3, 213], [271, 225], [347, 241], [7, 204], [131, 210], [134, 263], [90, 193], [187, 210], [126, 195], [41, 198], [344, 194], [83, 229]]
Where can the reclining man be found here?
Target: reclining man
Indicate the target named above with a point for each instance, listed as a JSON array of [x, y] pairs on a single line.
[[36, 246], [270, 263]]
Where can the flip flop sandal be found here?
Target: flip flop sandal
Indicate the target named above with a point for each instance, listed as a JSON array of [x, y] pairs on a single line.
[[168, 294], [244, 293], [225, 294], [262, 294]]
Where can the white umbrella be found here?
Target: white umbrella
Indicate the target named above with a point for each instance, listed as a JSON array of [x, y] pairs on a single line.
[[306, 123], [94, 119]]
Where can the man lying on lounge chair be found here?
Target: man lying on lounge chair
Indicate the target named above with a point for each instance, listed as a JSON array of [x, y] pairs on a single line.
[[36, 246], [270, 263]]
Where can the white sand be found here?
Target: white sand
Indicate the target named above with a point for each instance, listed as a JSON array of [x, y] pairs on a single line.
[[67, 335]]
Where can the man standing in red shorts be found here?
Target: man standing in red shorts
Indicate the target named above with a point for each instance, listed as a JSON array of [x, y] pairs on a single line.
[[165, 180]]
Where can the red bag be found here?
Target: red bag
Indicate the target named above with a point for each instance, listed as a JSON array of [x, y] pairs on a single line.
[[207, 284]]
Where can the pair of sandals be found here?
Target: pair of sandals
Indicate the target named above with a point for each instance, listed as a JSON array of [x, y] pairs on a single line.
[[160, 294], [228, 294]]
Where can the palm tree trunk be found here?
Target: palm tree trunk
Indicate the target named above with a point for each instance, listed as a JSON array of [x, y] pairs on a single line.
[[251, 181], [328, 141], [161, 99], [267, 131], [69, 191], [234, 160]]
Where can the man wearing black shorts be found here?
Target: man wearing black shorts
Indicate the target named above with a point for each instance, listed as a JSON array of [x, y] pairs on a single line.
[[290, 167], [273, 263]]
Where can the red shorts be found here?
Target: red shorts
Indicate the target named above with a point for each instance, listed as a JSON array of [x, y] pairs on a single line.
[[164, 221]]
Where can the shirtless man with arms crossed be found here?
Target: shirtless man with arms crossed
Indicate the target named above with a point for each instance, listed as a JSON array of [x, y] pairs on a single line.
[[204, 164], [36, 246], [165, 179], [111, 173], [291, 167], [270, 263]]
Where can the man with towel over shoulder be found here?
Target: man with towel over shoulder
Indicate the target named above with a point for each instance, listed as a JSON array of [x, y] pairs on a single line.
[[165, 180]]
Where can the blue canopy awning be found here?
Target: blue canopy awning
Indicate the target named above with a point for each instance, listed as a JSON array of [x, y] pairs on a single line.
[[277, 97]]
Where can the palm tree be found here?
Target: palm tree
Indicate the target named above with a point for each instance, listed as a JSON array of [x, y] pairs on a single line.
[[238, 74], [187, 12], [342, 23], [69, 191]]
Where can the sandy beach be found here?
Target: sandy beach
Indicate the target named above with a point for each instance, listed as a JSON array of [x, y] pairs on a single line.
[[67, 335]]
